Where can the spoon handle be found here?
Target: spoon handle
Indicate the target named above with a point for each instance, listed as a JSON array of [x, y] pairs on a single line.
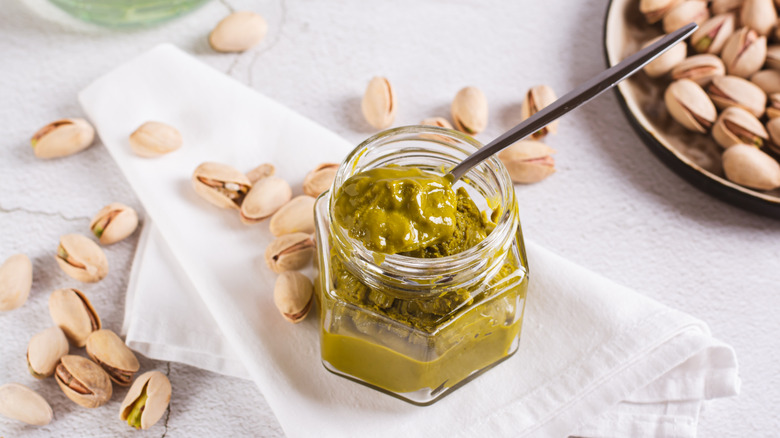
[[573, 99]]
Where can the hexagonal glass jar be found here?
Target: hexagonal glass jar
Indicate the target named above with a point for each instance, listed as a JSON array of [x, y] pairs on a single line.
[[418, 328]]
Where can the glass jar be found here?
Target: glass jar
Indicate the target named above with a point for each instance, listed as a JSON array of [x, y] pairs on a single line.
[[127, 13], [418, 328]]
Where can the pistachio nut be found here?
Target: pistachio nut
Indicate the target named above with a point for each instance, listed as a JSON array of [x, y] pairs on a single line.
[[723, 6], [153, 139], [654, 10], [773, 110], [737, 126], [320, 179], [759, 15], [21, 403], [289, 252], [73, 313], [297, 216], [751, 167], [773, 57], [773, 127], [293, 296], [262, 171], [684, 13], [238, 32], [767, 80], [470, 110], [378, 103], [63, 137], [441, 122], [110, 352], [528, 161], [699, 68], [713, 33], [45, 350], [15, 281], [146, 401], [744, 52], [81, 258], [535, 100], [726, 91], [667, 61], [264, 199], [113, 223], [83, 381], [220, 184], [689, 104]]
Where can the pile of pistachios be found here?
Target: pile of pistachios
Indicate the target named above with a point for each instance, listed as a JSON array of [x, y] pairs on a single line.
[[731, 69], [528, 161]]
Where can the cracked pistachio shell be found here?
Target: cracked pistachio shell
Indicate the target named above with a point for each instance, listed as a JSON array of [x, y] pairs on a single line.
[[528, 161], [297, 216], [744, 52], [83, 381], [320, 179], [723, 6], [264, 199], [262, 171], [220, 184], [238, 32], [153, 139], [737, 126], [535, 100], [713, 33], [751, 167], [110, 352], [684, 13], [773, 127], [441, 122], [21, 403], [773, 110], [45, 350], [289, 252], [378, 104], [15, 281], [689, 104], [773, 57], [700, 69], [759, 15], [63, 137], [81, 258], [654, 10], [470, 110], [73, 313], [293, 296], [767, 80], [157, 389], [667, 61], [726, 91], [113, 223]]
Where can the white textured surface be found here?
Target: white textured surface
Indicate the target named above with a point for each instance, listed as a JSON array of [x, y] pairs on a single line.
[[612, 207]]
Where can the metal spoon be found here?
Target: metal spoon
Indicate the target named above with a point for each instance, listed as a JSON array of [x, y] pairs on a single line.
[[573, 99]]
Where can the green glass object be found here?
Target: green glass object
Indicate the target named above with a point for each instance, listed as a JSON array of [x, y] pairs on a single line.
[[127, 13]]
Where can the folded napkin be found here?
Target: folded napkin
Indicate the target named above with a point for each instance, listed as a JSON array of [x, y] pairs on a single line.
[[595, 358]]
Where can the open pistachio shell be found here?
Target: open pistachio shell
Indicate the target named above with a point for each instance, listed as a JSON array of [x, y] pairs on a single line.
[[773, 110], [15, 281], [320, 179], [379, 105], [528, 161], [45, 350], [536, 99], [773, 57], [238, 32], [74, 314], [63, 137], [667, 61], [759, 15], [684, 13], [713, 33], [111, 353], [81, 258], [744, 52], [83, 381], [767, 80], [146, 400], [773, 127], [153, 139], [293, 296], [726, 91], [21, 403], [264, 198], [737, 126], [689, 104], [289, 252], [297, 216], [262, 171], [220, 184], [751, 167], [470, 110], [113, 223], [654, 10], [700, 69]]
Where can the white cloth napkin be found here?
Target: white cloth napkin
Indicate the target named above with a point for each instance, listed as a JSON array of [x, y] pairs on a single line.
[[595, 359]]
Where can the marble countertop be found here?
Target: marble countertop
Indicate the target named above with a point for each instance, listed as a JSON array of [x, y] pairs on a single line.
[[612, 206]]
